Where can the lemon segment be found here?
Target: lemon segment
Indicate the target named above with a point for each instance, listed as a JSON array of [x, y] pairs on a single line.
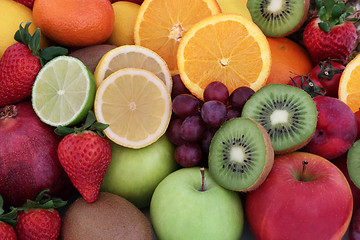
[[132, 56], [137, 106]]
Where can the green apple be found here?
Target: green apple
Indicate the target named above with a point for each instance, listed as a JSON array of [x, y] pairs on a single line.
[[134, 173], [182, 209]]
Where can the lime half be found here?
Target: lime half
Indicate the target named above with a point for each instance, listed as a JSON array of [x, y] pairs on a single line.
[[63, 92]]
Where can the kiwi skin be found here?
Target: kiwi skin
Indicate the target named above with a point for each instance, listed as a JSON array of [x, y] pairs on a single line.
[[298, 26], [109, 217], [269, 159]]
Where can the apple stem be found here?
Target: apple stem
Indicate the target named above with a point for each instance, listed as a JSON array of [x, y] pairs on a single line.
[[203, 187], [8, 111], [304, 163]]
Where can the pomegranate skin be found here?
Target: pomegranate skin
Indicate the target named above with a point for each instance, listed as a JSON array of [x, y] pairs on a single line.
[[28, 158]]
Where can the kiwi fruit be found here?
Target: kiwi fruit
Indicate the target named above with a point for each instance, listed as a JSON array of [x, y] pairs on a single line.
[[109, 217], [287, 113], [240, 155], [353, 163], [278, 17], [91, 55]]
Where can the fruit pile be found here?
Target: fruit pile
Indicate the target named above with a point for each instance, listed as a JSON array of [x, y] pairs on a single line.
[[179, 119]]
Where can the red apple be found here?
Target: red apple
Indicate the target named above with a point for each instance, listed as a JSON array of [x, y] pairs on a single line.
[[336, 128], [28, 157], [301, 201]]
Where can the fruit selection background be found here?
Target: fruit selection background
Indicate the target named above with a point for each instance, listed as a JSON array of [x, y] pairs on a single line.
[[180, 119]]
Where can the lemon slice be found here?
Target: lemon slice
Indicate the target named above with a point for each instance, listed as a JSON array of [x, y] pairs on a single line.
[[132, 56], [137, 106], [63, 92]]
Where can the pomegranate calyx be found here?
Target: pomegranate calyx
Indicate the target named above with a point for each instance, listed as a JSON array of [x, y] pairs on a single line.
[[8, 111]]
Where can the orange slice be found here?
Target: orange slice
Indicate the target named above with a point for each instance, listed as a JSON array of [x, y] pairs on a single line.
[[161, 24], [349, 86], [226, 47]]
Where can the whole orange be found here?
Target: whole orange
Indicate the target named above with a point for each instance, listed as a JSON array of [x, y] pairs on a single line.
[[74, 23], [288, 60]]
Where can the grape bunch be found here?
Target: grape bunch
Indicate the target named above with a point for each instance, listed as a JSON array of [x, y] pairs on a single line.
[[194, 122]]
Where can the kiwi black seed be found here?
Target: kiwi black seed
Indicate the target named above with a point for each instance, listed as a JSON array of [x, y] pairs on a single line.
[[241, 155], [353, 163], [287, 113], [278, 17]]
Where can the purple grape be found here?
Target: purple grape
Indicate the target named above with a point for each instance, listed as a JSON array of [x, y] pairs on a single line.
[[213, 113], [192, 128], [185, 105], [173, 131], [232, 113], [178, 87], [216, 91], [206, 140], [188, 154], [239, 97]]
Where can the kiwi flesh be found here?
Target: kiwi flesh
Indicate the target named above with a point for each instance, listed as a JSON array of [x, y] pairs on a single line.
[[353, 163], [278, 17], [287, 113], [240, 155], [109, 217]]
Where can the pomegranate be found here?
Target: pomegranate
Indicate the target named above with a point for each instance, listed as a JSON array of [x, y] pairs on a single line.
[[28, 157]]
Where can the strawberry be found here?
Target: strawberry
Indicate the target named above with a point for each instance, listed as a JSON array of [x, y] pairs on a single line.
[[7, 221], [28, 3], [331, 35], [85, 156], [39, 219], [20, 64]]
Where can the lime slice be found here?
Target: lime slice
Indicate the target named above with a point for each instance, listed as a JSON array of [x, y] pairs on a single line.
[[63, 92], [137, 106], [132, 56]]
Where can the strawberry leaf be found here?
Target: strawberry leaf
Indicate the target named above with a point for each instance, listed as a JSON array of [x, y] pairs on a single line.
[[22, 35], [336, 12], [318, 4], [51, 52], [43, 201], [10, 217], [329, 4], [90, 124], [63, 131], [322, 13], [325, 26], [34, 42], [332, 13]]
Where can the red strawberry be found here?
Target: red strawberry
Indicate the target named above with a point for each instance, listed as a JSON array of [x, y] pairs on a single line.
[[20, 65], [28, 3], [85, 157], [331, 35], [7, 232], [39, 219], [7, 221]]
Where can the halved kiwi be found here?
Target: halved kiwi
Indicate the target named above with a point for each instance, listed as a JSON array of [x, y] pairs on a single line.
[[278, 17], [287, 113], [241, 155], [353, 163]]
